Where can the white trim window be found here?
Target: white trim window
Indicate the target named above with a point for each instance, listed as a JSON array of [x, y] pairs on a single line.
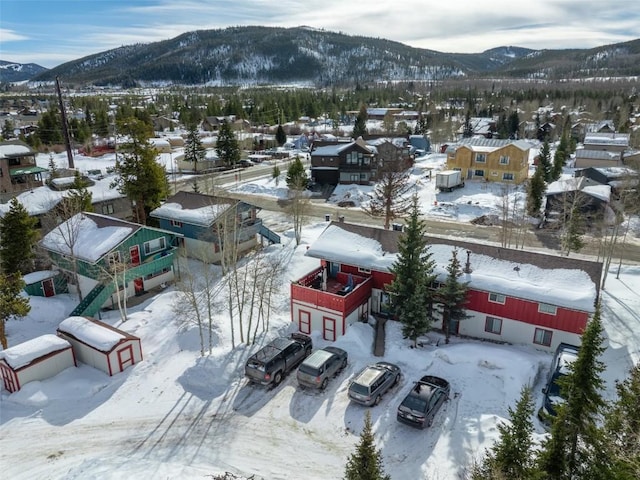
[[504, 160], [176, 223], [114, 258], [364, 270], [507, 177], [497, 298], [481, 158], [155, 245], [493, 325], [547, 308], [478, 173], [542, 337]]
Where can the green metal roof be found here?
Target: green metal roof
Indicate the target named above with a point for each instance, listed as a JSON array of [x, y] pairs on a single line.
[[26, 171]]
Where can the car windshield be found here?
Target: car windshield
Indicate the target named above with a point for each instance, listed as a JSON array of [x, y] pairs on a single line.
[[359, 389], [309, 370], [414, 402], [554, 388]]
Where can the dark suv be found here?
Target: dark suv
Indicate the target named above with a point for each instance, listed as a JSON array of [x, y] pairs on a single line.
[[423, 401], [368, 386], [565, 355], [269, 364]]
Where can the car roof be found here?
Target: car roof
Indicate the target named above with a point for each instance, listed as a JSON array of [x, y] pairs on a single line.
[[369, 375], [336, 350], [317, 358], [422, 390]]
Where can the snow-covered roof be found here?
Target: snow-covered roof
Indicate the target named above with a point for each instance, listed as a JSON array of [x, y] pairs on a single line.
[[194, 208], [480, 144], [569, 288], [90, 241], [24, 353], [98, 335], [331, 150], [583, 184], [35, 277], [620, 139], [12, 149]]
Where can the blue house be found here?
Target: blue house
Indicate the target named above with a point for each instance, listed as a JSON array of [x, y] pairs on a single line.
[[208, 223]]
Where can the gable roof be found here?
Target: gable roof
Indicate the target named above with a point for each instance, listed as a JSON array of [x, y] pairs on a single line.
[[536, 277], [193, 208], [15, 148], [24, 353], [335, 150], [481, 144], [101, 336], [597, 138], [582, 184]]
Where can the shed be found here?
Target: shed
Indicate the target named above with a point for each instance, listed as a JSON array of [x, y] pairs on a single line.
[[37, 359], [45, 283], [100, 345]]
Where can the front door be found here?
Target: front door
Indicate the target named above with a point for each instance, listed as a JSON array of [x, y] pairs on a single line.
[[134, 255], [138, 286], [125, 357], [47, 287], [7, 377], [304, 321], [329, 328]]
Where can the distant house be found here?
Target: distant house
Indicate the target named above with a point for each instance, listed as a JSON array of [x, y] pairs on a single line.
[[609, 142], [591, 199], [213, 123], [480, 126], [113, 258], [347, 163], [585, 158], [392, 150], [45, 283], [205, 223], [420, 144], [18, 169], [491, 160], [37, 359], [619, 179], [514, 296], [100, 345]]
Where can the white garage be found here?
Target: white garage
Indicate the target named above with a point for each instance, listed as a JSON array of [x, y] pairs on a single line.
[[100, 345]]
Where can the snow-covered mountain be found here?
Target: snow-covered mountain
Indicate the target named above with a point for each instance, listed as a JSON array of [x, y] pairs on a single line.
[[18, 72]]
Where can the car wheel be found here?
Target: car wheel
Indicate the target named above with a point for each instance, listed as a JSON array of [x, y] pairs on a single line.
[[429, 421], [377, 400], [324, 383], [307, 352], [277, 378], [395, 380]]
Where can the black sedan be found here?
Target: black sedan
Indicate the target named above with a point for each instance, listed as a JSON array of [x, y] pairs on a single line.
[[423, 401]]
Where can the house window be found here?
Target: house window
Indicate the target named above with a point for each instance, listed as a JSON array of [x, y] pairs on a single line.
[[176, 223], [546, 308], [113, 258], [493, 325], [363, 176], [497, 298], [504, 160], [154, 245], [107, 209], [364, 270], [481, 158], [354, 177], [157, 274], [507, 176], [479, 173], [542, 337]]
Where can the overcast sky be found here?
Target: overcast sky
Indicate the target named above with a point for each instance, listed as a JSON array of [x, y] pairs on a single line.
[[51, 32]]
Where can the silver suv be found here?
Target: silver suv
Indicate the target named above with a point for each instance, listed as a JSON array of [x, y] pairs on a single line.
[[372, 382], [320, 366]]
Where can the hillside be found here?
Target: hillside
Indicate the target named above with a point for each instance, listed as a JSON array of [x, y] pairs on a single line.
[[268, 55], [18, 72]]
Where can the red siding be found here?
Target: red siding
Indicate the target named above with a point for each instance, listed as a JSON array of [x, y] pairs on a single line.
[[381, 279], [338, 303], [527, 311]]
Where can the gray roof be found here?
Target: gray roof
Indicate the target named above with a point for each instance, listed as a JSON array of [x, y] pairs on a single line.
[[597, 154], [492, 142]]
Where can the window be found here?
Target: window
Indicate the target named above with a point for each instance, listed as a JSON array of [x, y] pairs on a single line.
[[155, 245], [507, 176], [479, 173], [113, 258], [481, 158], [363, 176], [542, 337], [497, 298], [158, 273], [546, 308], [354, 178], [364, 270], [493, 325], [175, 223], [504, 160]]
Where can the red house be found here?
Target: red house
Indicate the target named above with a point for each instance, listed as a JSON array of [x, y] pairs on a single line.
[[514, 296]]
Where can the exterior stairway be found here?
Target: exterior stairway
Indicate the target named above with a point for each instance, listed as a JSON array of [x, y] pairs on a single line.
[[269, 235]]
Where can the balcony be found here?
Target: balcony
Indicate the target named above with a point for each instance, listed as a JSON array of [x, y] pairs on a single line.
[[338, 295]]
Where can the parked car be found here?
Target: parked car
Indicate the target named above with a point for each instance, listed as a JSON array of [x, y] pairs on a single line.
[[316, 370], [269, 364], [368, 386], [564, 356], [423, 401], [246, 163]]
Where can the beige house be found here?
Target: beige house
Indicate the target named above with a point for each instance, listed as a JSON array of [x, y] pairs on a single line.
[[491, 160]]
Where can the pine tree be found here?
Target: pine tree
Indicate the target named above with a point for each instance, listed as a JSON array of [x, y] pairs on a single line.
[[227, 146], [467, 128], [281, 137], [389, 197], [360, 125], [12, 302], [79, 197], [544, 160], [452, 296], [622, 431], [411, 294], [573, 229], [17, 238], [53, 169], [366, 462], [513, 125], [535, 192], [511, 456], [296, 175], [574, 439], [194, 151], [139, 176], [559, 158]]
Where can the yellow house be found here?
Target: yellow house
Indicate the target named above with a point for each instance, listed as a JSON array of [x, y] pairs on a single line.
[[489, 159]]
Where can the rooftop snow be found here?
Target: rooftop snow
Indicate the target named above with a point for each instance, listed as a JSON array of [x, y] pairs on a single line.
[[92, 333], [25, 353], [10, 149], [198, 216]]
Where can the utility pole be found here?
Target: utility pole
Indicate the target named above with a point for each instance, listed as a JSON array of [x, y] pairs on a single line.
[[65, 126]]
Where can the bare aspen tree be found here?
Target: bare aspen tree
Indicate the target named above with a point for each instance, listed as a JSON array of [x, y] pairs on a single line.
[[298, 209], [187, 306], [390, 197]]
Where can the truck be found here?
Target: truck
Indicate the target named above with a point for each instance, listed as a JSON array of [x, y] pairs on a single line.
[[269, 364], [447, 180]]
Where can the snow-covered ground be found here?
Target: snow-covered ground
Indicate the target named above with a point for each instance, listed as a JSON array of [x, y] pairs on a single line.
[[179, 415]]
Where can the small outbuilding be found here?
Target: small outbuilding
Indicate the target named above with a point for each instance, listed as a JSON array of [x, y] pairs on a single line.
[[100, 345], [45, 283], [37, 359]]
